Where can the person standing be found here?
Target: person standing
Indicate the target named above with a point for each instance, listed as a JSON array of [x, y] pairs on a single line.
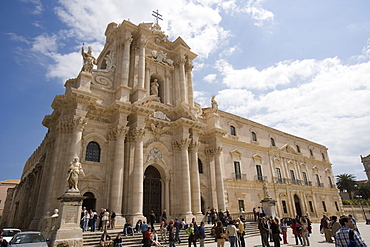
[[284, 230], [264, 231], [306, 241], [347, 234], [275, 230], [334, 226], [219, 232], [147, 237], [171, 235], [152, 219], [297, 234], [232, 233], [113, 220], [144, 228], [191, 235], [324, 224], [202, 234], [177, 226], [241, 233]]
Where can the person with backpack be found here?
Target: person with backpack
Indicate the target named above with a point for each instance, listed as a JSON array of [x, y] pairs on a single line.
[[296, 231], [347, 236]]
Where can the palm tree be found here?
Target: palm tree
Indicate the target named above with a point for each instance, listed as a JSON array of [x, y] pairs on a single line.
[[346, 182]]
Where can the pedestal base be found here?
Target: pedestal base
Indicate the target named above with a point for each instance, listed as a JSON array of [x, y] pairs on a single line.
[[68, 228], [268, 205]]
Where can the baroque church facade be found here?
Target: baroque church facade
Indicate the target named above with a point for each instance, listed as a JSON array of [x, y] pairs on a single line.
[[144, 144]]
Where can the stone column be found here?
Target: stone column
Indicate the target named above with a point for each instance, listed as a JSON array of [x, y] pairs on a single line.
[[189, 68], [182, 61], [183, 144], [167, 95], [167, 194], [194, 175], [126, 59], [119, 133], [147, 81], [219, 180], [75, 142], [138, 175], [141, 75]]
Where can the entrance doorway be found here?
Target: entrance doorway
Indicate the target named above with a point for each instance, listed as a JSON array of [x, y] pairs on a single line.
[[297, 205], [90, 201], [152, 192]]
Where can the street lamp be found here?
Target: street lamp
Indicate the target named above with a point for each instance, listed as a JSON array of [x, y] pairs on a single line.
[[359, 197]]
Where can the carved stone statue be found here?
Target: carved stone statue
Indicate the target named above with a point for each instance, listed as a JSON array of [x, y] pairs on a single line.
[[74, 170], [154, 87], [89, 60], [214, 104]]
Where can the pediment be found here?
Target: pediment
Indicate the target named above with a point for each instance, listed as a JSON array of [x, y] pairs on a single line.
[[289, 149]]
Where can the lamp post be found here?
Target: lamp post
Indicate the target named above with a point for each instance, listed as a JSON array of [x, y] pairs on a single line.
[[359, 198]]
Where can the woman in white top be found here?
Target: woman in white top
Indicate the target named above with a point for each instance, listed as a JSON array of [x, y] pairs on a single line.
[[154, 238]]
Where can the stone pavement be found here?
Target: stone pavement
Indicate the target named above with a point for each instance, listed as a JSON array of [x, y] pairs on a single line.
[[316, 239]]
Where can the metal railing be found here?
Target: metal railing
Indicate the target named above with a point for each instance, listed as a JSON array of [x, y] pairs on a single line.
[[260, 178], [239, 176]]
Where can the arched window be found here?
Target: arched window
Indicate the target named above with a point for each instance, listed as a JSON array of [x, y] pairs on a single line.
[[298, 149], [93, 152], [200, 166], [273, 142], [254, 136], [232, 130], [311, 153]]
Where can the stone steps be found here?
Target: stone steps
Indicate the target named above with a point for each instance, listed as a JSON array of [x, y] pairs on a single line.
[[93, 238]]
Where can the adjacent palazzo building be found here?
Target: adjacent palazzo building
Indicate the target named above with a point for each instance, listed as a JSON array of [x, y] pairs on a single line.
[[144, 144]]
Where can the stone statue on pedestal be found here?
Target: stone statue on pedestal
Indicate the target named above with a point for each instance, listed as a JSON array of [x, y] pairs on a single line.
[[74, 170], [214, 104], [89, 60]]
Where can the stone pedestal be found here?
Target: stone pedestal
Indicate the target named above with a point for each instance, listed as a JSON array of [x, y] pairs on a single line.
[[84, 81], [268, 205], [68, 227]]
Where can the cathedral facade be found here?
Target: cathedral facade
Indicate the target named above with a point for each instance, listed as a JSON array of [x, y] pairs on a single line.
[[144, 144]]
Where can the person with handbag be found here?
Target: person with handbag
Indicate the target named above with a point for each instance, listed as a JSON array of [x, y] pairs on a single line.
[[220, 234]]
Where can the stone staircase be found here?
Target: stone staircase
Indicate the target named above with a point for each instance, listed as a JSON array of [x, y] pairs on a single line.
[[93, 238]]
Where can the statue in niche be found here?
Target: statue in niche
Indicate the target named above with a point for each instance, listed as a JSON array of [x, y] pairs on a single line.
[[154, 87], [214, 104], [74, 170], [89, 59]]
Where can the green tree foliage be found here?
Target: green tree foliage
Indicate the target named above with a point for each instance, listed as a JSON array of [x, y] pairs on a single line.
[[346, 182], [364, 191]]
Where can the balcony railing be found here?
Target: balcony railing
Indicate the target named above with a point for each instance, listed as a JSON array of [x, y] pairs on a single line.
[[280, 180], [320, 184], [239, 176], [333, 186], [307, 183], [296, 182], [260, 178]]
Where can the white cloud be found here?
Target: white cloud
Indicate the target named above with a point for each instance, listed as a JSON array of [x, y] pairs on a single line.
[[37, 4], [325, 101], [211, 78]]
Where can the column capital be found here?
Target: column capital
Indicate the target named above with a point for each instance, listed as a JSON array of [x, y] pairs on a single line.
[[117, 132], [214, 151], [181, 143], [194, 145], [136, 134], [68, 125]]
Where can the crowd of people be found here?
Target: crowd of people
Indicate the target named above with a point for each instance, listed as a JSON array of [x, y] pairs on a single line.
[[272, 229]]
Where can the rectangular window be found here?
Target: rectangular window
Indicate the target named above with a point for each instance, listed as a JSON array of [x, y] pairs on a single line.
[[292, 176], [330, 182], [318, 180], [285, 210], [278, 173], [336, 206], [259, 173], [238, 174], [324, 206], [311, 206], [304, 175], [241, 205]]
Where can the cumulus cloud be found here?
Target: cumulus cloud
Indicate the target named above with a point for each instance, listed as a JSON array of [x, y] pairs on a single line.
[[211, 78], [37, 6], [321, 100]]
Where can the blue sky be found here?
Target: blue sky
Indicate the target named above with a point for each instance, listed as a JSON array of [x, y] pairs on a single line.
[[302, 67]]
